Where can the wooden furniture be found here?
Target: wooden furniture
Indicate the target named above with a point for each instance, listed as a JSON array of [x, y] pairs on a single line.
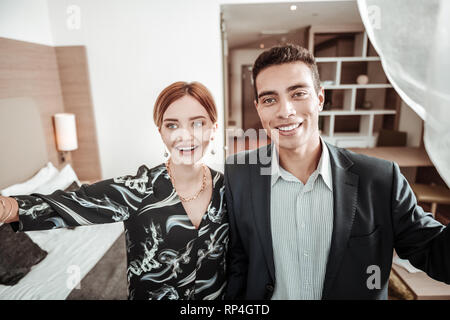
[[433, 194], [421, 285], [353, 112], [403, 156], [391, 138]]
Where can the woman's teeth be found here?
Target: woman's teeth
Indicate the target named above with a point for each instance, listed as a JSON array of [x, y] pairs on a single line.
[[186, 148], [288, 128]]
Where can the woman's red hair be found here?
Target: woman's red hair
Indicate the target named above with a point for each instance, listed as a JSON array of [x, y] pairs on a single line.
[[178, 90]]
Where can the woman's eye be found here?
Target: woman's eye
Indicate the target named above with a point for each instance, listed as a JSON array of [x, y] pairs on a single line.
[[197, 124], [172, 126]]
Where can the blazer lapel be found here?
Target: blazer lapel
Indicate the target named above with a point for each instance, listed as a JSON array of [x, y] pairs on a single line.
[[260, 197], [345, 187]]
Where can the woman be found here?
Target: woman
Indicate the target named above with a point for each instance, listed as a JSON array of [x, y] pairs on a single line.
[[174, 214]]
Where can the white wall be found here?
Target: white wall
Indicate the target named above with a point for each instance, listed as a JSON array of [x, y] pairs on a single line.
[[25, 20], [135, 49]]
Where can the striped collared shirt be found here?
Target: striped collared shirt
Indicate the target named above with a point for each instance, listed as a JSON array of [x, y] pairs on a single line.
[[301, 218]]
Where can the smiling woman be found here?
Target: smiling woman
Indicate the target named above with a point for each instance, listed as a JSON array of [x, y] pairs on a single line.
[[176, 239]]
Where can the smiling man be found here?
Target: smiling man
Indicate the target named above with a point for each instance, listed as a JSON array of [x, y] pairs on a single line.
[[325, 222]]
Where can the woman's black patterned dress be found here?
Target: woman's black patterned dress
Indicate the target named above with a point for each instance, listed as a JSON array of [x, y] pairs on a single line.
[[168, 258]]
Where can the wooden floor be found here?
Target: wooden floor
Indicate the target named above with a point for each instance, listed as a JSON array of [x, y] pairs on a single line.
[[107, 280]]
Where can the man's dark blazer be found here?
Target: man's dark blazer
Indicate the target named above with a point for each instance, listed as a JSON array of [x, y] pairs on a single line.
[[375, 211]]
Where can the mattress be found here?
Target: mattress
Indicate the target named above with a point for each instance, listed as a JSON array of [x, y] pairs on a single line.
[[71, 255]]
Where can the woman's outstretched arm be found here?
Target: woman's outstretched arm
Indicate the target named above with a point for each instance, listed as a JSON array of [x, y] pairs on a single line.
[[107, 201], [9, 210]]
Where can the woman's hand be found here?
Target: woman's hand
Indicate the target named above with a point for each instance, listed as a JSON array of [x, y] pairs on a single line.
[[9, 210]]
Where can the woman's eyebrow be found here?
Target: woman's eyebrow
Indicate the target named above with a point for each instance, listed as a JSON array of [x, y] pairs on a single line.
[[198, 117], [192, 118]]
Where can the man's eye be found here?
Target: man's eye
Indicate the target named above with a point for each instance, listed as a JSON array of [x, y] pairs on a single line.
[[299, 94], [268, 100], [172, 126]]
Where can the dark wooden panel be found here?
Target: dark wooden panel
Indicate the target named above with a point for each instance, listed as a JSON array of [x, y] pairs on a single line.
[[76, 92]]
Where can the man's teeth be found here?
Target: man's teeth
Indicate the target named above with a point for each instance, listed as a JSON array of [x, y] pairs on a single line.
[[289, 127]]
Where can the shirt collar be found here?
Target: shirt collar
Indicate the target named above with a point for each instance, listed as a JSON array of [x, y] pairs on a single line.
[[323, 168]]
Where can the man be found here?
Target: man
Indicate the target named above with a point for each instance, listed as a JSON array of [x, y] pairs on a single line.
[[324, 223]]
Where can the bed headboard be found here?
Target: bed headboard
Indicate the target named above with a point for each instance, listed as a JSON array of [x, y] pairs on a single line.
[[23, 149], [56, 79]]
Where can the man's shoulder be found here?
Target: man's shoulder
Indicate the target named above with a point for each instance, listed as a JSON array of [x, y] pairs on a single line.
[[362, 163]]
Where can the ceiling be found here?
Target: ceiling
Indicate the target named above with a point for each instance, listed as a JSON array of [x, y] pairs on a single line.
[[245, 22]]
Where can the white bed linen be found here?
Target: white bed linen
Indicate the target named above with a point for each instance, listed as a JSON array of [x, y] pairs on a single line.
[[49, 279]]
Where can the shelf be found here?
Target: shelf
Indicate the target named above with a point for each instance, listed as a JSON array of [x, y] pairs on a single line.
[[339, 99], [358, 86], [327, 71], [350, 140], [347, 59], [350, 70], [356, 112], [350, 135]]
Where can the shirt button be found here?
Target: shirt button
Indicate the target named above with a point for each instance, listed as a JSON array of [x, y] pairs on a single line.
[[305, 254]]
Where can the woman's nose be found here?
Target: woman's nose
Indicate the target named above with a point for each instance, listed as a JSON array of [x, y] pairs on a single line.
[[183, 134]]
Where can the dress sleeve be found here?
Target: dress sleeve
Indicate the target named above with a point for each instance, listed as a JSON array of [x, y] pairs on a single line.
[[107, 201]]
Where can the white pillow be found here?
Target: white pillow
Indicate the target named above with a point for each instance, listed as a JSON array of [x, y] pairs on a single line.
[[60, 182], [44, 175]]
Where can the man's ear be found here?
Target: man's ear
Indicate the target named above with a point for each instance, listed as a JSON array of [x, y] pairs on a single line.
[[256, 104], [321, 96]]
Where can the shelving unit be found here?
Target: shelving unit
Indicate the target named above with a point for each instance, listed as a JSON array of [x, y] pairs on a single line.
[[353, 113]]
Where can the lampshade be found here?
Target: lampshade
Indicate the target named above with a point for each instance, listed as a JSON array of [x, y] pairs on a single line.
[[66, 132]]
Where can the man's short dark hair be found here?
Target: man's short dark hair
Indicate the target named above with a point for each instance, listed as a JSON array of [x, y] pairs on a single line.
[[285, 54]]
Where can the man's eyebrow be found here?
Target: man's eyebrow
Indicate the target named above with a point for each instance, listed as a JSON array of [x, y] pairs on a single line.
[[266, 93], [297, 86], [192, 118]]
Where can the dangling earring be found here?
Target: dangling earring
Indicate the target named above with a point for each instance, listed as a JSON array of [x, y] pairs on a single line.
[[166, 154], [213, 152]]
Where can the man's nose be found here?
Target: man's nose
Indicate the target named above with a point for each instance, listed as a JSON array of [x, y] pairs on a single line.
[[286, 109]]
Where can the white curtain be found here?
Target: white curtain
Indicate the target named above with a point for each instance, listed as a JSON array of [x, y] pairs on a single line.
[[412, 38]]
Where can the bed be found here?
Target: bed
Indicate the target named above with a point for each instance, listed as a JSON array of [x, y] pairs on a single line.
[[94, 255]]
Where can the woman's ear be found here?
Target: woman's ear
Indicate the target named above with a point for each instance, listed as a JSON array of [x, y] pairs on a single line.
[[214, 129]]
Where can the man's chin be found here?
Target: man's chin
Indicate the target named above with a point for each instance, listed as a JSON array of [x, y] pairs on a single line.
[[290, 144]]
